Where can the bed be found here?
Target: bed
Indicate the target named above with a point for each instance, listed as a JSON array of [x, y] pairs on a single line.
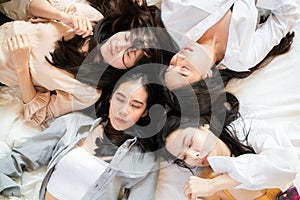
[[271, 94]]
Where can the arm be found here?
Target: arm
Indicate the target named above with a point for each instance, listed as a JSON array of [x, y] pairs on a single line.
[[274, 166], [80, 23], [19, 50], [69, 95], [32, 155], [201, 187], [255, 42]]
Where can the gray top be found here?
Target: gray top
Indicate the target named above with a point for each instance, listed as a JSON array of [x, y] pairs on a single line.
[[130, 170]]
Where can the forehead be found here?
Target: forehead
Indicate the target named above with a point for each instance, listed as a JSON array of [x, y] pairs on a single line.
[[133, 90], [176, 140]]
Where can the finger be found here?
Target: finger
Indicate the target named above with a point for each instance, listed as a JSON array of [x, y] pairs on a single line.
[[9, 44], [19, 41], [75, 23], [187, 192], [25, 40], [139, 2], [89, 28], [81, 26], [14, 42]]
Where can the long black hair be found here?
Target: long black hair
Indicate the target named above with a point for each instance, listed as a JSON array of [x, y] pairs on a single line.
[[125, 16], [283, 47], [119, 137], [227, 134]]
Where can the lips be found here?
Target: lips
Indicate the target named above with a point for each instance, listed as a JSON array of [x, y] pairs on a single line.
[[120, 120], [109, 47], [188, 48], [204, 160]]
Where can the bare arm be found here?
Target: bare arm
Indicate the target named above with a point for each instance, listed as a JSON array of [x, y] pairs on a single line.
[[19, 49], [201, 187], [80, 23]]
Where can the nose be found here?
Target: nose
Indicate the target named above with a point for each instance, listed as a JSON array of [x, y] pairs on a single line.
[[193, 154], [177, 63], [122, 45], [123, 111]]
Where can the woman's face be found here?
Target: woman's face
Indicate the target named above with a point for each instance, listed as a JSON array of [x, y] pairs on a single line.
[[127, 105], [116, 47], [195, 145], [188, 66]]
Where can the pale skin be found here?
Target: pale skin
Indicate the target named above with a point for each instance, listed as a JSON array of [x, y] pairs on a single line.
[[194, 146], [211, 47], [132, 97], [79, 23], [19, 50]]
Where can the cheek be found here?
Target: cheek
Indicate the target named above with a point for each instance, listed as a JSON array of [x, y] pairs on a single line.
[[135, 116], [117, 62], [192, 162]]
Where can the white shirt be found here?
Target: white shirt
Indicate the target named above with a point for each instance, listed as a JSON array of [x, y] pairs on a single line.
[[247, 43], [275, 165]]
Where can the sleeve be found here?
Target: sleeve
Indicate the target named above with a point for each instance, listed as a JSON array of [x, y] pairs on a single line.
[[74, 7], [255, 42], [275, 165], [32, 155], [63, 100], [16, 9], [145, 188]]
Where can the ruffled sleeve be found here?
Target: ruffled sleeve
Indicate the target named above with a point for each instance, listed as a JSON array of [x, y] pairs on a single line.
[[47, 105], [36, 111], [16, 9]]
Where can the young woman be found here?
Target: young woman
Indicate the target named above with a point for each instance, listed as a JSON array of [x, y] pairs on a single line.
[[80, 151], [226, 39], [48, 86], [222, 30], [246, 161]]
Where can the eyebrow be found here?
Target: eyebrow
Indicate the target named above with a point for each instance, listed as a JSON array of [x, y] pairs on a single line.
[[182, 145], [136, 101], [118, 93]]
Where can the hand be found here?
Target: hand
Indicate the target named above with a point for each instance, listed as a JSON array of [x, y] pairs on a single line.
[[138, 2], [199, 187], [19, 50], [80, 24]]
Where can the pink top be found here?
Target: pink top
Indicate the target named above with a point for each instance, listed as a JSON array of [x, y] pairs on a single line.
[[70, 94]]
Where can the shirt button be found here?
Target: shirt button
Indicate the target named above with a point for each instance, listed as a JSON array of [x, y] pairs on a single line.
[[96, 185], [109, 170]]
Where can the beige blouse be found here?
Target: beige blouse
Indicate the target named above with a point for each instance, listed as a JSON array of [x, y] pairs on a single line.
[[70, 94]]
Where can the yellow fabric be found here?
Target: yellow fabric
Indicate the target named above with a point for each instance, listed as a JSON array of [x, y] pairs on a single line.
[[269, 195], [228, 195]]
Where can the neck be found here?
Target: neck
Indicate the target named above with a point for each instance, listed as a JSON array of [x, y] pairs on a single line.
[[215, 38], [115, 136], [224, 150]]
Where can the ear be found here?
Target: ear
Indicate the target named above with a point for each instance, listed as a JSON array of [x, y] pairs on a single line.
[[205, 127], [145, 113]]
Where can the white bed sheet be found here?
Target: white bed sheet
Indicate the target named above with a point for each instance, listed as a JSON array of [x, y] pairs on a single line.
[[271, 94]]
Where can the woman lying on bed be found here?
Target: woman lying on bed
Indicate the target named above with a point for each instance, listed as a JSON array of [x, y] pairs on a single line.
[[246, 158], [229, 34], [48, 86], [79, 150]]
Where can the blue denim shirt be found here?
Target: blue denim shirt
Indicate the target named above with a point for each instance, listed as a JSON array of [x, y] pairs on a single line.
[[129, 169]]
